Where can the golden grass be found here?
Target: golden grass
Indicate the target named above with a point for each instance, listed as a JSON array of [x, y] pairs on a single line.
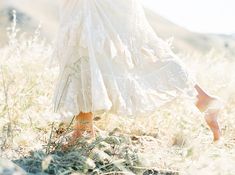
[[173, 138]]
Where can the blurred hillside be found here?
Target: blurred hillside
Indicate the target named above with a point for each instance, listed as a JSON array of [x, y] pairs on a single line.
[[187, 41], [31, 13]]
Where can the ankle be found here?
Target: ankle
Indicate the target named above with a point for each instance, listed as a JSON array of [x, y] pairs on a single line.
[[84, 116], [204, 102]]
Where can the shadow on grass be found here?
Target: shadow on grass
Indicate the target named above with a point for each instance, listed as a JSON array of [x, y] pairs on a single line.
[[109, 155], [103, 155]]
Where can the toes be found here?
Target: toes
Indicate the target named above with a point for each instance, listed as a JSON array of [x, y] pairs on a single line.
[[212, 122]]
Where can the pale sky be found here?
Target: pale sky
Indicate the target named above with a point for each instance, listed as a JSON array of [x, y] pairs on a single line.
[[211, 16]]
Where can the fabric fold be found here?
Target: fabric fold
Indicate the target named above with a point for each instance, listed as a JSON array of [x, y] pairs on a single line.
[[111, 60]]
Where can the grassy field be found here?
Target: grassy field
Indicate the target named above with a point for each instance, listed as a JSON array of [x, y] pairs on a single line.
[[175, 139]]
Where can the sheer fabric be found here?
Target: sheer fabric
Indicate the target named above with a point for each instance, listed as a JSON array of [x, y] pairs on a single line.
[[111, 60]]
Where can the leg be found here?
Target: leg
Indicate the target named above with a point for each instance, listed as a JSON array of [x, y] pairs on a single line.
[[83, 126], [204, 101]]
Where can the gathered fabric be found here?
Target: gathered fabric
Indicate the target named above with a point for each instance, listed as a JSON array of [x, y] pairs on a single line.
[[110, 59]]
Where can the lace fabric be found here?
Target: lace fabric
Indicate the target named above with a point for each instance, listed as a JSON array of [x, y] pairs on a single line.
[[111, 60]]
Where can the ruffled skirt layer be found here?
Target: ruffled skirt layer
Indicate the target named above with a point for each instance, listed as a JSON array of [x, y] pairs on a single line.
[[111, 60]]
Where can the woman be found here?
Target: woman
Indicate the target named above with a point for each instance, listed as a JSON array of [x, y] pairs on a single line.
[[111, 60]]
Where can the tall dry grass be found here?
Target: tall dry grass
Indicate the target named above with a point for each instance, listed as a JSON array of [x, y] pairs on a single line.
[[174, 137]]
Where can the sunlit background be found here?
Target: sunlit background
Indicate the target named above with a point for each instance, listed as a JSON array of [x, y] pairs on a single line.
[[207, 16], [211, 16], [196, 26], [201, 33]]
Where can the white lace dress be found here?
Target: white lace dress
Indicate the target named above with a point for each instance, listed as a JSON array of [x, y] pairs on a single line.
[[111, 60]]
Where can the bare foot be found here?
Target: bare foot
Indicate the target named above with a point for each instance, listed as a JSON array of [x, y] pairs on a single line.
[[210, 106], [83, 128], [211, 118], [73, 138]]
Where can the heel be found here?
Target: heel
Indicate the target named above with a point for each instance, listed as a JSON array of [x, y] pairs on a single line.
[[211, 116]]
